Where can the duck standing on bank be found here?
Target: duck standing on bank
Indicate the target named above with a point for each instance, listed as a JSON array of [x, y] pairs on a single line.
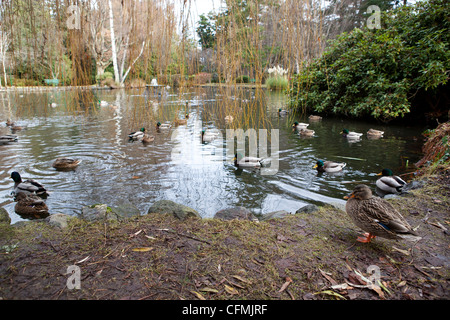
[[376, 216], [29, 186]]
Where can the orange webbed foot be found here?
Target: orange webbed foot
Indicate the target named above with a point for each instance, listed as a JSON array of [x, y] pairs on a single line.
[[366, 239]]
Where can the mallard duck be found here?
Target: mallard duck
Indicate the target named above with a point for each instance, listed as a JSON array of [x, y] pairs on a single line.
[[147, 138], [137, 134], [329, 166], [314, 118], [29, 186], [103, 103], [8, 139], [9, 123], [53, 105], [389, 183], [299, 126], [375, 216], [351, 135], [209, 136], [306, 132], [373, 134], [282, 112], [17, 128], [64, 163], [163, 126], [247, 162], [30, 205]]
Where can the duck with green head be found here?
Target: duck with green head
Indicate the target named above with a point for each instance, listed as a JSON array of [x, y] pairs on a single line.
[[299, 125], [329, 166], [389, 183], [351, 135], [137, 134], [28, 186]]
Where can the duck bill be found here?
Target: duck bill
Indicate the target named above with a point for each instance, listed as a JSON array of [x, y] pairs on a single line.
[[315, 166], [347, 197], [379, 174]]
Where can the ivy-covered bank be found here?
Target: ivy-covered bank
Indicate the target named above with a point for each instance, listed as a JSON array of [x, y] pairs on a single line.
[[398, 70]]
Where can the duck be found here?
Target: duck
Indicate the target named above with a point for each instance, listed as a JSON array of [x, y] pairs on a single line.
[[373, 134], [306, 132], [147, 138], [376, 216], [351, 135], [209, 136], [103, 103], [8, 139], [314, 118], [64, 163], [282, 112], [389, 183], [299, 126], [163, 126], [30, 205], [247, 162], [53, 104], [137, 134], [329, 166], [9, 122], [29, 186], [17, 128]]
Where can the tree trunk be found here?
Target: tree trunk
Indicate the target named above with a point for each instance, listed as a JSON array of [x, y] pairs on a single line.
[[113, 43]]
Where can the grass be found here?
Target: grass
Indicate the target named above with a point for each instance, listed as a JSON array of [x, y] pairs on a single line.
[[277, 83]]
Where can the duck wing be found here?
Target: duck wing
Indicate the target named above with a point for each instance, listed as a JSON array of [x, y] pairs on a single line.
[[385, 215]]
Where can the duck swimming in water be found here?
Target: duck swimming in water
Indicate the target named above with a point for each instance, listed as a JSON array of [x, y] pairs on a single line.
[[29, 186]]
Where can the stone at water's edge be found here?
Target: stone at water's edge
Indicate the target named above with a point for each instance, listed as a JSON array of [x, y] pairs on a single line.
[[177, 210], [239, 213], [4, 216], [275, 215], [310, 208], [58, 220]]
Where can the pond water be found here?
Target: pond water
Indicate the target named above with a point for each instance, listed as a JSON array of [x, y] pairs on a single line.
[[176, 165]]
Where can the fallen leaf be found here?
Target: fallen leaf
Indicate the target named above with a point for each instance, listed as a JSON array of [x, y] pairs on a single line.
[[82, 260], [377, 289], [333, 282], [198, 295], [142, 249], [331, 293], [402, 283], [241, 279], [135, 234], [405, 252], [206, 289], [285, 285], [230, 290], [342, 286]]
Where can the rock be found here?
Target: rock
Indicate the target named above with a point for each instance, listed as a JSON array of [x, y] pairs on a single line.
[[98, 212], [239, 213], [58, 220], [126, 210], [310, 208], [4, 216], [177, 210], [275, 215]]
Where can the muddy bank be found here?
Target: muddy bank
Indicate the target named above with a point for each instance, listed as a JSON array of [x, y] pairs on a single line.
[[307, 256]]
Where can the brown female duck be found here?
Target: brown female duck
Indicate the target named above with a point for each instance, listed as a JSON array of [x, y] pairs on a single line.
[[30, 205], [376, 216]]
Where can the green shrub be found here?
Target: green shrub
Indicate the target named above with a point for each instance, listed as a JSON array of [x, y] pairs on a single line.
[[379, 72], [242, 79], [105, 75]]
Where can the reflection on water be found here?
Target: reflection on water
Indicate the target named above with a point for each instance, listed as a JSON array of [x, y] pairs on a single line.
[[177, 165]]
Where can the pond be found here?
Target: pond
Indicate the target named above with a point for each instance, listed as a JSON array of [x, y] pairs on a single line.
[[177, 166]]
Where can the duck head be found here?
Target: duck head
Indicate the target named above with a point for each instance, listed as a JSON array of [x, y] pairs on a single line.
[[16, 176], [318, 164], [345, 132], [361, 192], [386, 173]]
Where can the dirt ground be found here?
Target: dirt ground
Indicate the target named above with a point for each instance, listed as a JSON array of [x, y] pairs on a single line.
[[302, 257]]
